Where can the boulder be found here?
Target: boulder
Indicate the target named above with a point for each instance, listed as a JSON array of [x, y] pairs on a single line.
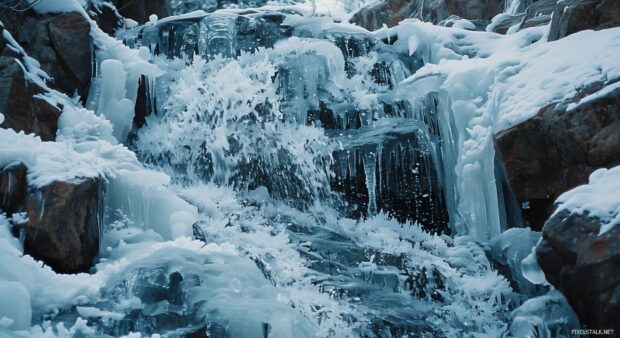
[[64, 224], [13, 188], [571, 16], [557, 149], [584, 266], [391, 12], [22, 111]]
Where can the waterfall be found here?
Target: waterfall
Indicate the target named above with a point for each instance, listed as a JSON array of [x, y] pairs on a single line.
[[292, 189]]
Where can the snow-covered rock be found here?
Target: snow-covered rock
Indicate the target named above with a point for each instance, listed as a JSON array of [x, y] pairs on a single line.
[[583, 265]]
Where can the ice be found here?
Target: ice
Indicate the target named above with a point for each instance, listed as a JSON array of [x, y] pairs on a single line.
[[141, 196], [217, 36], [15, 309], [113, 103], [545, 316], [513, 249]]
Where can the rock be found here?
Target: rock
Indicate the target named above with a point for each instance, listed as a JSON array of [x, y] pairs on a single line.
[[530, 14], [571, 16], [140, 10], [585, 267], [107, 17], [502, 24], [21, 110], [538, 14], [13, 188], [70, 36], [64, 224], [63, 47], [391, 12], [558, 149]]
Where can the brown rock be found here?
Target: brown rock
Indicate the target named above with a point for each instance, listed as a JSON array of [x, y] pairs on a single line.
[[13, 188], [558, 149], [63, 224], [70, 36], [585, 267], [21, 110], [572, 16], [63, 47], [391, 12]]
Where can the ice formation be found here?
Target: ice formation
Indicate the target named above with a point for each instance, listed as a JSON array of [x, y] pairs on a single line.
[[296, 177]]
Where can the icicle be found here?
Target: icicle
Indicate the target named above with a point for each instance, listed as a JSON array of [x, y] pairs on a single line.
[[369, 170]]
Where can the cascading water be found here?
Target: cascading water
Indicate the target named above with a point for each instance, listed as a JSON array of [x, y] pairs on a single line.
[[323, 197]]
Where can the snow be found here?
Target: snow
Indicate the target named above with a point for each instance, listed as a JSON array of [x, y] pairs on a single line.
[[606, 90], [599, 198]]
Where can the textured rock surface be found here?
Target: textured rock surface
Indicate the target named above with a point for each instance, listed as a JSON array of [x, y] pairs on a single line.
[[22, 111], [584, 266], [391, 12], [70, 36], [13, 188], [572, 16], [558, 149], [63, 224]]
